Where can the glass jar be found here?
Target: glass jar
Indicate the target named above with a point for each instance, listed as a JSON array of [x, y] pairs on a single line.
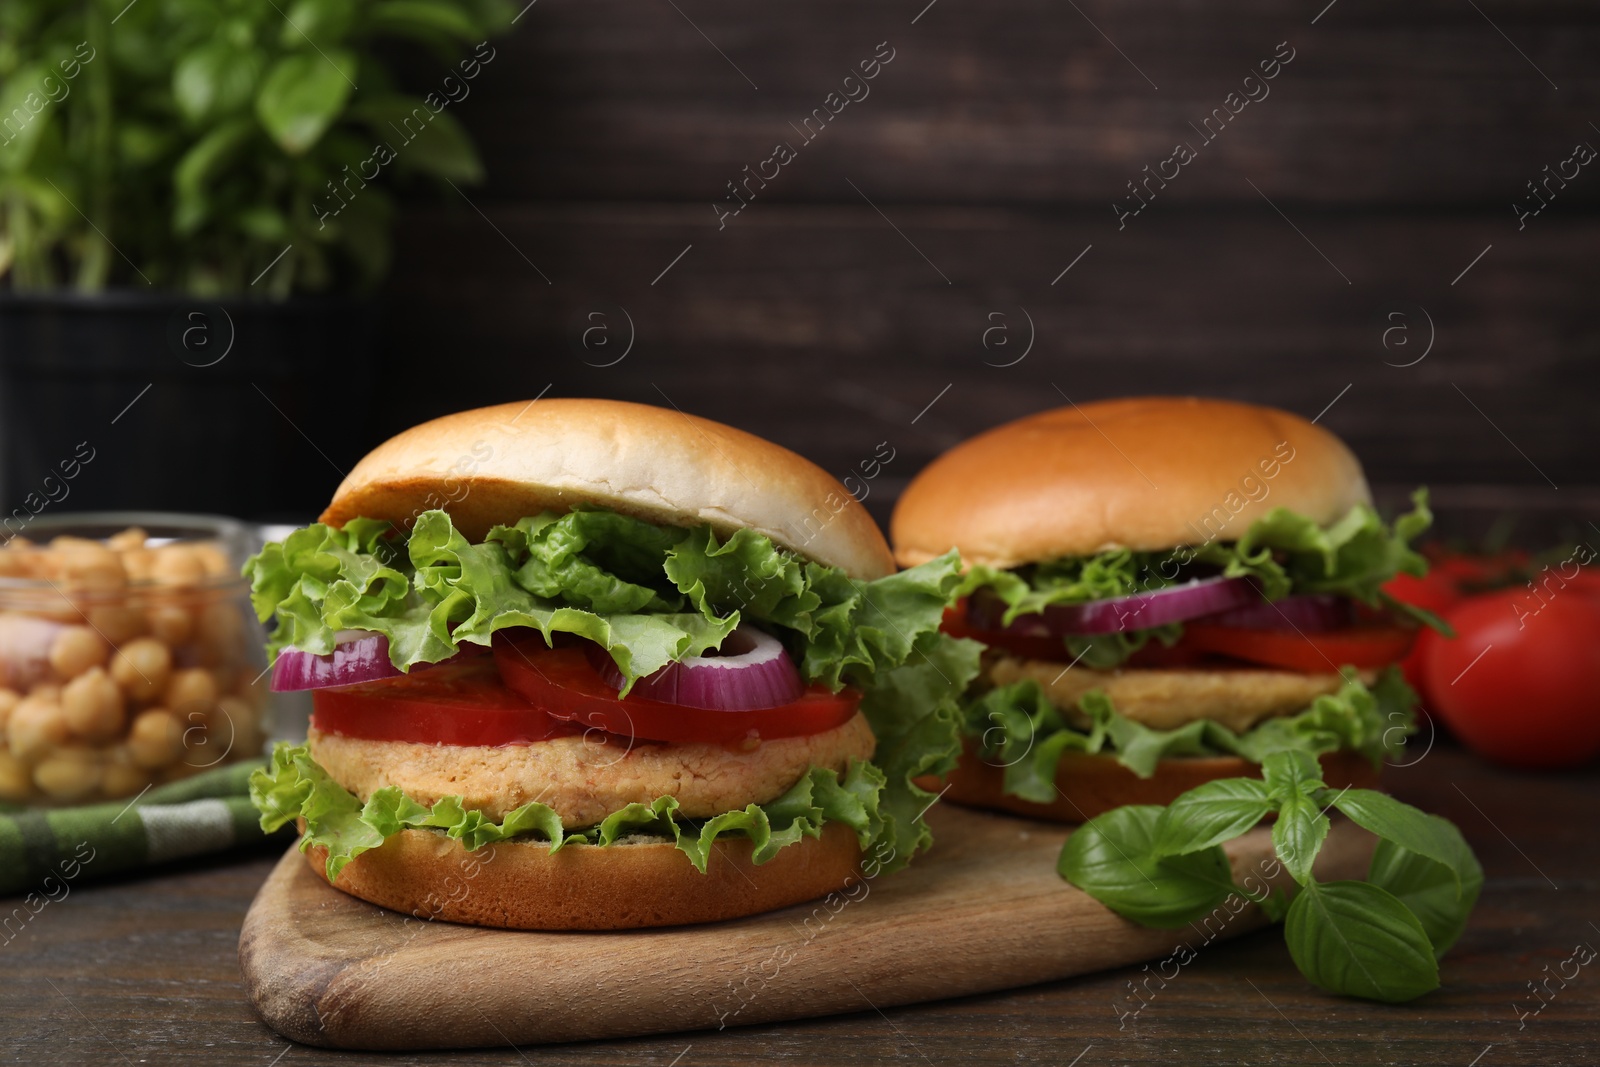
[[129, 654]]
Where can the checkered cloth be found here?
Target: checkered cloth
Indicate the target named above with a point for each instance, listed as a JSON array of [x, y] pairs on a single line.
[[41, 848]]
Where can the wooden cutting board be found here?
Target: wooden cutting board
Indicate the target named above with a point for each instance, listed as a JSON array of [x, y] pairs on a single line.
[[984, 910]]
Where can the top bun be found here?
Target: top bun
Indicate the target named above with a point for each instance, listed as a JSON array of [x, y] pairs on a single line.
[[1147, 473], [499, 464]]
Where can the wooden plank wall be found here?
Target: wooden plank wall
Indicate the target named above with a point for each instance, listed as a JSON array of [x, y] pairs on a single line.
[[1369, 186]]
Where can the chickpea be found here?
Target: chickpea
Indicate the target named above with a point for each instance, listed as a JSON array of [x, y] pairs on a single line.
[[76, 649], [9, 698], [93, 570], [16, 778], [54, 606], [140, 564], [177, 565], [222, 631], [212, 558], [156, 739], [142, 668], [131, 538], [93, 706], [192, 689], [37, 725], [118, 623], [171, 623], [68, 775], [123, 777], [66, 544]]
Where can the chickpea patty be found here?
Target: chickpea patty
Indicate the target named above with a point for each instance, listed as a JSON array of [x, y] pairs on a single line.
[[584, 781], [1167, 699]]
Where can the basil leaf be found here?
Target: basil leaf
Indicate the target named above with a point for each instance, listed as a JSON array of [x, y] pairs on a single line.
[[1440, 896], [1290, 773], [1211, 814], [1413, 830], [1111, 858], [1298, 835], [1357, 939]]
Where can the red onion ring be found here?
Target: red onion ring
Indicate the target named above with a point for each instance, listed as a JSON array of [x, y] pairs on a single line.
[[1137, 611], [752, 670], [357, 656], [1307, 613]]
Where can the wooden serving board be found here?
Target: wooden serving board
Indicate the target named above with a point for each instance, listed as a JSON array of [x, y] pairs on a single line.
[[984, 910]]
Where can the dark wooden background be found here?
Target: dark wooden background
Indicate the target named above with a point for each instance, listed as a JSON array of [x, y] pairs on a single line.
[[915, 250], [996, 142]]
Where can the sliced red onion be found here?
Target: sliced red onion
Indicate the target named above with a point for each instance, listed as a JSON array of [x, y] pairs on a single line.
[[1137, 611], [1308, 613], [752, 670], [357, 656]]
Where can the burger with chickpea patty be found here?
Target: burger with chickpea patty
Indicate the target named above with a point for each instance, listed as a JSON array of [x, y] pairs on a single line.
[[1169, 589], [624, 666]]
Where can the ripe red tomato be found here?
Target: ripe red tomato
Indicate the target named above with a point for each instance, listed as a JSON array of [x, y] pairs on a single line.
[[1362, 645], [1520, 684], [563, 682], [1437, 592], [454, 704], [1471, 572]]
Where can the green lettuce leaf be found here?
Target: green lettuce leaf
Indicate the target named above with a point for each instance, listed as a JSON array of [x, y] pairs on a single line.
[[1017, 727], [1282, 552], [294, 786], [649, 595], [915, 712]]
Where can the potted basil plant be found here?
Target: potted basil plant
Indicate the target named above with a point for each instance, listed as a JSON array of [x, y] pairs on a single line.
[[197, 196]]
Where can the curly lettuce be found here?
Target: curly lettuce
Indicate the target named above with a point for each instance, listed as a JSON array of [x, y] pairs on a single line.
[[1018, 728], [1282, 553], [293, 786], [650, 595]]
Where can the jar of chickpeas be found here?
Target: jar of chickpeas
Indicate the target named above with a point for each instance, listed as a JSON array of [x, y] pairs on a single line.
[[129, 655]]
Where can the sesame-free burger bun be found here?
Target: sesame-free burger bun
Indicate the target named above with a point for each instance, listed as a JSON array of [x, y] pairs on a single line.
[[522, 885], [1146, 473], [498, 464]]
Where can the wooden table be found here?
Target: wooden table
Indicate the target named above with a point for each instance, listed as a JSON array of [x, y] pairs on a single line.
[[144, 971]]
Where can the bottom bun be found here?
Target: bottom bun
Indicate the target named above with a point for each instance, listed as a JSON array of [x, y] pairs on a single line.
[[1089, 785], [522, 886]]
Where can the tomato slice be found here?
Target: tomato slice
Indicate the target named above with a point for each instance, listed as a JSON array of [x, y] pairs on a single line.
[[1368, 645], [1028, 647], [461, 703], [1054, 650], [1365, 645], [562, 682]]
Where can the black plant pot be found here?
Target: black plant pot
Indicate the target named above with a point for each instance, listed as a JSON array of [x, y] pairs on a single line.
[[128, 400]]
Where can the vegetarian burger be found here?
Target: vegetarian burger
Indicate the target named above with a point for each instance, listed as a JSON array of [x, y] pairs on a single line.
[[1169, 589], [581, 664]]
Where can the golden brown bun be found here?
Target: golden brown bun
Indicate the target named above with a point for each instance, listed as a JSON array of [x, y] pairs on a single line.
[[498, 464], [520, 885], [1145, 473], [1090, 785]]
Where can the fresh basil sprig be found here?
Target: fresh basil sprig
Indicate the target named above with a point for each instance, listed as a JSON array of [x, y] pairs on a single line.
[[1380, 939]]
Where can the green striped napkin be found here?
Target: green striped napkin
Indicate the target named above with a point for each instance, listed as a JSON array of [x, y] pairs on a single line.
[[48, 849]]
